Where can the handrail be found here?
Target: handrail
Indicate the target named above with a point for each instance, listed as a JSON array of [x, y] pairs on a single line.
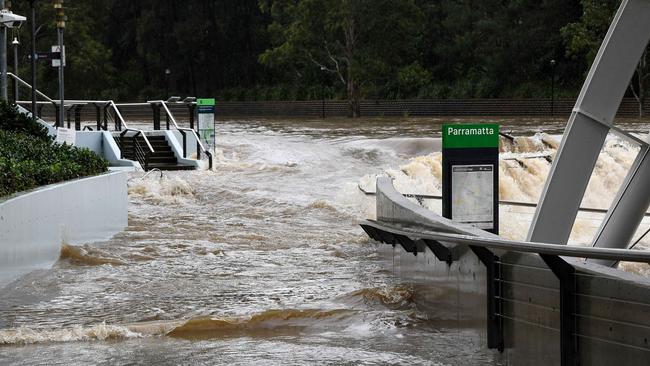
[[420, 197], [38, 92], [514, 245], [181, 129], [126, 127]]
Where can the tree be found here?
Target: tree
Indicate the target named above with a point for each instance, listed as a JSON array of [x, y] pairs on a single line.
[[357, 41], [583, 39]]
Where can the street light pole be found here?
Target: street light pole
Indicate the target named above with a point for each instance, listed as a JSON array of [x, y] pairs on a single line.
[[553, 63], [322, 92], [15, 43], [60, 25], [167, 73], [33, 58], [3, 57]]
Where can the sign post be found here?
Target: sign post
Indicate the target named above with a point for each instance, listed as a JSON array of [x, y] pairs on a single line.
[[470, 174], [207, 128]]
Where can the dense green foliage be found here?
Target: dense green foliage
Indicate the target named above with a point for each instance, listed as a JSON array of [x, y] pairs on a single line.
[[29, 158], [12, 120], [306, 49]]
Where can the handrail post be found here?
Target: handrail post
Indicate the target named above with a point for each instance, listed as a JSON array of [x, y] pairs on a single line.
[[565, 273], [184, 143], [77, 116], [59, 123], [118, 123], [167, 119], [98, 112], [192, 108], [68, 112], [135, 141], [106, 117], [156, 115]]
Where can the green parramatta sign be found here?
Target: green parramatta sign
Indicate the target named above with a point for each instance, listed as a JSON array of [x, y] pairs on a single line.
[[458, 136]]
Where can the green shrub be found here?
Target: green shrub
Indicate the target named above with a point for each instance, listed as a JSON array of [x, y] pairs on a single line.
[[28, 161], [12, 120]]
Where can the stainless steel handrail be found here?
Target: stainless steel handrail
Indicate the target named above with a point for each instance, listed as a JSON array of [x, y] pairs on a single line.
[[24, 83], [126, 126], [514, 245]]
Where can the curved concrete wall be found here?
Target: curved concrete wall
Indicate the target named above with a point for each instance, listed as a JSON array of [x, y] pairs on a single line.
[[612, 306], [33, 224]]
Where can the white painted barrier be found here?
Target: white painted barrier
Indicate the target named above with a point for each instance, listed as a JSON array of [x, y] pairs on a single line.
[[33, 224]]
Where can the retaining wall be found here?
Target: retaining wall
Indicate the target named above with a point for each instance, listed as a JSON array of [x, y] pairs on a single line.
[[33, 224]]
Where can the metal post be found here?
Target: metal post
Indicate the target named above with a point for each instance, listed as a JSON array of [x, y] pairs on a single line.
[[191, 108], [167, 73], [98, 110], [3, 58], [322, 92], [156, 115], [15, 43], [322, 95], [33, 58], [77, 117], [68, 111], [60, 25], [553, 63]]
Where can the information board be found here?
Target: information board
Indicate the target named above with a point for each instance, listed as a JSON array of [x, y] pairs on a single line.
[[66, 135], [470, 174], [205, 110], [56, 62], [472, 194]]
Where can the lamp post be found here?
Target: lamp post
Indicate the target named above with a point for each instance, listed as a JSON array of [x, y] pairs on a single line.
[[322, 92], [60, 25], [15, 43], [553, 63], [33, 58], [7, 20], [167, 73], [3, 56]]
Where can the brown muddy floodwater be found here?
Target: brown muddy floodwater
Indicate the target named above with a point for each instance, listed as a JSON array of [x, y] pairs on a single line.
[[261, 261]]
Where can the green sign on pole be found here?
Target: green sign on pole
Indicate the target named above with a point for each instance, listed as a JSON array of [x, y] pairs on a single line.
[[456, 136], [470, 174], [205, 112]]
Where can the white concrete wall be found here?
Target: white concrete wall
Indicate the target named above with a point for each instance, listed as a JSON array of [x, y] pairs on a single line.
[[91, 140], [175, 140], [33, 224]]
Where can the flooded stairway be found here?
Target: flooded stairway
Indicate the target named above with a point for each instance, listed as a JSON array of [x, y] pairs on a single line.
[[162, 157]]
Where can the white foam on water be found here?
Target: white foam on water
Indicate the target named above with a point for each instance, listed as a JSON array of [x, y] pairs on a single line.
[[523, 168], [77, 333]]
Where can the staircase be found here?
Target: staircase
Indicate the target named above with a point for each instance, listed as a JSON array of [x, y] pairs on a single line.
[[162, 158]]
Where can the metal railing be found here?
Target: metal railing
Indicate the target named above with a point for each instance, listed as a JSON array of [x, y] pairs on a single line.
[[139, 153], [183, 131], [418, 233]]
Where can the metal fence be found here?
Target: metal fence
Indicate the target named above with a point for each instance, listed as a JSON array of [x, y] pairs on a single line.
[[414, 107], [374, 108]]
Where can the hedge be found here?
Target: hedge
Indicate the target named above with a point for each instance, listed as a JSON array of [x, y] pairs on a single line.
[[29, 158]]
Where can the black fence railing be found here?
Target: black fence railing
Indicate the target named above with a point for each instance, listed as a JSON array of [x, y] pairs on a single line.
[[543, 108]]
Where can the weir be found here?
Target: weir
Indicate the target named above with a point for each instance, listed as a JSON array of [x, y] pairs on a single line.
[[539, 301]]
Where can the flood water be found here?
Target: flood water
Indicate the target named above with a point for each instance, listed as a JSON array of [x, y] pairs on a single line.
[[262, 261]]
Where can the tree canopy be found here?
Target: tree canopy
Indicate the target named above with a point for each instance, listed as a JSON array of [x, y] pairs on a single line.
[[310, 49]]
